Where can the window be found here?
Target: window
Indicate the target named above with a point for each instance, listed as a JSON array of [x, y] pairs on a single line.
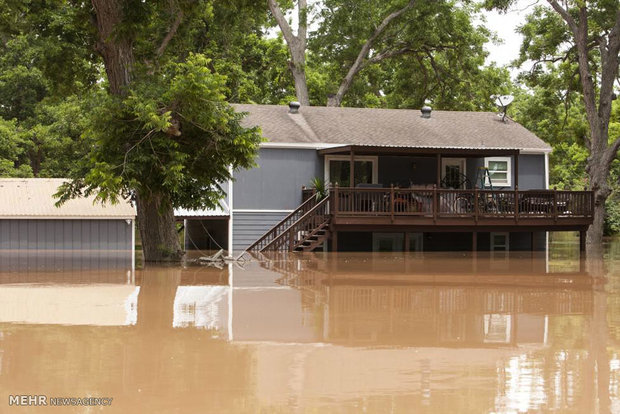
[[500, 171], [500, 242], [337, 170]]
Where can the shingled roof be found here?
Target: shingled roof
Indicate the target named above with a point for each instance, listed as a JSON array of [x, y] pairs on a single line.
[[389, 127]]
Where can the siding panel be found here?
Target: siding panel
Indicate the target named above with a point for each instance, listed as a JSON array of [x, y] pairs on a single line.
[[65, 235], [248, 227]]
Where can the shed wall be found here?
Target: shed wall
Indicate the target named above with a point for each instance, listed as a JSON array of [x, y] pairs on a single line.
[[25, 234]]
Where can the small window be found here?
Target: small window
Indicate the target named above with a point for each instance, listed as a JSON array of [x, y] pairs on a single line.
[[500, 242], [500, 171]]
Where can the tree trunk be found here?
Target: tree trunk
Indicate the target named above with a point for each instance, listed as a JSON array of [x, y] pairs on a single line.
[[160, 240], [598, 171], [299, 76], [116, 50]]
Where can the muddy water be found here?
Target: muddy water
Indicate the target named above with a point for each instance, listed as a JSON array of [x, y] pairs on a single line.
[[343, 333]]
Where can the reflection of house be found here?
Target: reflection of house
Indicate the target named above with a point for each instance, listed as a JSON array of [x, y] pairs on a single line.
[[32, 227], [401, 182]]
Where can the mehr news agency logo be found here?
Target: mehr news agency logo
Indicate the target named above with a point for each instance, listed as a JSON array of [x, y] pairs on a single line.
[[44, 400]]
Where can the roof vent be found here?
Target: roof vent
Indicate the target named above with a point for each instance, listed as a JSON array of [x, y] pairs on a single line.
[[426, 111], [293, 107]]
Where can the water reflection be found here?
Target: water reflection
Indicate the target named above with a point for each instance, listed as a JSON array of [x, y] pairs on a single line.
[[332, 332]]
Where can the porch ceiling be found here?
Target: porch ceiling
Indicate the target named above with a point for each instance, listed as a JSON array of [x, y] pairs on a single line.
[[422, 151]]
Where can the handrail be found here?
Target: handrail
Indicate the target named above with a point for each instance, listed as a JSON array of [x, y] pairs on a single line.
[[477, 203], [283, 225], [279, 240]]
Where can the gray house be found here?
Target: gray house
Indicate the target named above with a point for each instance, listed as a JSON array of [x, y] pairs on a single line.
[[34, 233], [400, 180]]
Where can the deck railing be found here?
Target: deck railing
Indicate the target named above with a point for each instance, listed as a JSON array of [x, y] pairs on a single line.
[[280, 228], [436, 202]]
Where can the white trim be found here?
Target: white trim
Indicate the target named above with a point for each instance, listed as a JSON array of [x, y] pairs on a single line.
[[230, 212], [133, 244], [66, 218], [230, 301], [372, 158], [546, 171], [299, 145], [241, 210], [325, 145], [508, 161], [534, 151]]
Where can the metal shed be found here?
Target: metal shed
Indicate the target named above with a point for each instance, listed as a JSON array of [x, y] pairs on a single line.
[[31, 223]]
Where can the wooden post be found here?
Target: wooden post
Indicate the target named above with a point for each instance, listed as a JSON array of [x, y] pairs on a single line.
[[582, 241], [434, 204], [516, 206], [352, 170], [474, 241], [438, 170], [555, 204], [334, 204], [476, 206], [392, 202], [334, 241], [407, 242]]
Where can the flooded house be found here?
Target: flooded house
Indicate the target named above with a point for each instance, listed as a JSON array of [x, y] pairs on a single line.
[[398, 179], [35, 233]]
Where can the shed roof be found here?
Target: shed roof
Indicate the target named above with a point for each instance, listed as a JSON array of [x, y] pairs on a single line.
[[389, 128], [22, 198]]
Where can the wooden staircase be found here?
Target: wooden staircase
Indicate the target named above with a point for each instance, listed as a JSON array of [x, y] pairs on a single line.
[[304, 230]]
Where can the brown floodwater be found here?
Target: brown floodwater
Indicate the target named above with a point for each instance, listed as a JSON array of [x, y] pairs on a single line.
[[320, 333]]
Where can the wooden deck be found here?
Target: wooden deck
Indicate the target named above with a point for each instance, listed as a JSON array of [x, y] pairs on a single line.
[[461, 210]]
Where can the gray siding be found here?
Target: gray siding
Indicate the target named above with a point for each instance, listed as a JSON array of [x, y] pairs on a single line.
[[249, 227], [276, 183], [65, 235], [531, 171]]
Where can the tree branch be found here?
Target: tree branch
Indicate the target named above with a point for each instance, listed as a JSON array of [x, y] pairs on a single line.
[[277, 14], [358, 64], [171, 32], [565, 15]]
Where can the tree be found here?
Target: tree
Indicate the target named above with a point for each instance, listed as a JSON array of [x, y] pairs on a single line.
[[161, 131], [297, 44], [584, 36], [396, 53]]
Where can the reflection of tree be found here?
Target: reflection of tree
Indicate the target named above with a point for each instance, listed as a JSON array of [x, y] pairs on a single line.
[[158, 288]]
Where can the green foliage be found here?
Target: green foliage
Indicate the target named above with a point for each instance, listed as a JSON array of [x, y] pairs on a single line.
[[319, 187], [11, 150], [437, 54], [173, 134]]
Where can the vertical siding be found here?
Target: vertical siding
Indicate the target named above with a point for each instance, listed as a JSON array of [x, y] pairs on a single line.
[[65, 235], [249, 227], [276, 183]]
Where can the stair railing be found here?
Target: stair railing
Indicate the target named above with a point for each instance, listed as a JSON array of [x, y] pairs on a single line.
[[282, 226], [295, 234]]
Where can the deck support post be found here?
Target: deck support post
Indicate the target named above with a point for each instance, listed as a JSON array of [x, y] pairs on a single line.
[[334, 241], [582, 241], [474, 241], [407, 242]]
